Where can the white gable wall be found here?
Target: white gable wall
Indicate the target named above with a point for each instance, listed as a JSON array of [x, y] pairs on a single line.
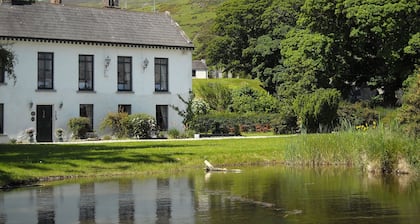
[[105, 98], [201, 74]]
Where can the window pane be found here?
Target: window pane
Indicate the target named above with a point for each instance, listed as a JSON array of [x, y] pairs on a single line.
[[86, 110], [1, 118], [161, 74], [2, 73], [162, 117], [124, 108], [85, 72], [124, 73], [45, 70]]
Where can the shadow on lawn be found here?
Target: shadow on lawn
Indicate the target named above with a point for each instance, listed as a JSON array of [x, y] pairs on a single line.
[[46, 157]]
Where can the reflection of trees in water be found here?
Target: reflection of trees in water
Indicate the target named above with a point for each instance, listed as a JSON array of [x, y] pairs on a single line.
[[87, 203], [126, 202], [45, 199], [163, 202]]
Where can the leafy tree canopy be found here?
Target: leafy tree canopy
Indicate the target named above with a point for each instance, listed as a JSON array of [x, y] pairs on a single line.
[[369, 39], [319, 43], [7, 62]]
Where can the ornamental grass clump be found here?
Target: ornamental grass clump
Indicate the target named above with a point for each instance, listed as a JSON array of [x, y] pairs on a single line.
[[117, 122]]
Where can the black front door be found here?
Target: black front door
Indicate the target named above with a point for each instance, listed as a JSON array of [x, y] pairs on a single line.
[[44, 123]]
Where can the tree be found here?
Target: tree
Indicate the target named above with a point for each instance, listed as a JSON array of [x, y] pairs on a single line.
[[193, 108], [305, 60], [369, 38], [237, 22], [276, 21], [317, 111], [7, 62]]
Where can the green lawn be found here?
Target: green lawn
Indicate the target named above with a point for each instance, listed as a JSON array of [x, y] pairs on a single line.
[[379, 146], [24, 162]]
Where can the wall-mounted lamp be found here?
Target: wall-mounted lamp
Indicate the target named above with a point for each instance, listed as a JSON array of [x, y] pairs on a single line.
[[31, 104], [107, 62], [61, 105], [145, 63]]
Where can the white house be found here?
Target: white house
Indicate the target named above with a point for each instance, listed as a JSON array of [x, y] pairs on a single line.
[[75, 61], [199, 69]]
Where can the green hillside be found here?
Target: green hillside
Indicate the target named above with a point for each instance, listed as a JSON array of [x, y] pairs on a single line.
[[231, 83]]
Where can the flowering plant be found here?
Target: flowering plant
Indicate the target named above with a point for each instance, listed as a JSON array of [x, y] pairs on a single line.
[[30, 131], [59, 132]]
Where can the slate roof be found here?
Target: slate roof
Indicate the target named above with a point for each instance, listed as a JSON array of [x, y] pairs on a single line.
[[45, 22], [199, 65]]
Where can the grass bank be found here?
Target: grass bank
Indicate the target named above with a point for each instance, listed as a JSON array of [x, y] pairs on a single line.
[[30, 162], [20, 163]]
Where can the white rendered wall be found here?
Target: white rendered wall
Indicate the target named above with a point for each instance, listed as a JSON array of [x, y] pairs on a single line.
[[201, 74], [105, 97]]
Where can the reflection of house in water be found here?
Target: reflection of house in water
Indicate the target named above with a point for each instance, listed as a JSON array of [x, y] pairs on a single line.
[[163, 202], [125, 201], [126, 207], [87, 202], [45, 199], [2, 215]]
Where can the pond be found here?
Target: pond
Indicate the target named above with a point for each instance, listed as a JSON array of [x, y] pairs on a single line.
[[256, 195]]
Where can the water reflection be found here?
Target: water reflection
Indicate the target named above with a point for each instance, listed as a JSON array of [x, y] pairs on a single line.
[[2, 215], [258, 195], [87, 203], [163, 202], [126, 209], [46, 211]]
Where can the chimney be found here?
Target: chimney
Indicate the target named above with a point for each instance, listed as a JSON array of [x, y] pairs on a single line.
[[111, 3], [57, 2]]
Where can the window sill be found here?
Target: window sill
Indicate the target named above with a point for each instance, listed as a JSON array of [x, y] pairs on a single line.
[[161, 92], [45, 90], [125, 92], [86, 91]]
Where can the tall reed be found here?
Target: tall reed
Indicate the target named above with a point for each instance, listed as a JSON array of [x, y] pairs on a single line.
[[384, 146]]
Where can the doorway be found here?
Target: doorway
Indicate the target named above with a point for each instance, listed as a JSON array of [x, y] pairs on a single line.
[[44, 123]]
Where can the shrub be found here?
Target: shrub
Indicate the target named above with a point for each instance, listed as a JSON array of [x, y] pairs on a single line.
[[353, 115], [284, 123], [246, 100], [231, 123], [174, 133], [218, 96], [79, 127], [409, 113], [117, 122], [317, 111], [141, 126]]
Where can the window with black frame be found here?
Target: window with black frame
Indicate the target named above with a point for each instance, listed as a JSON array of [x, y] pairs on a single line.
[[86, 110], [2, 73], [1, 118], [161, 75], [86, 72], [162, 117], [124, 108], [124, 73], [45, 70]]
